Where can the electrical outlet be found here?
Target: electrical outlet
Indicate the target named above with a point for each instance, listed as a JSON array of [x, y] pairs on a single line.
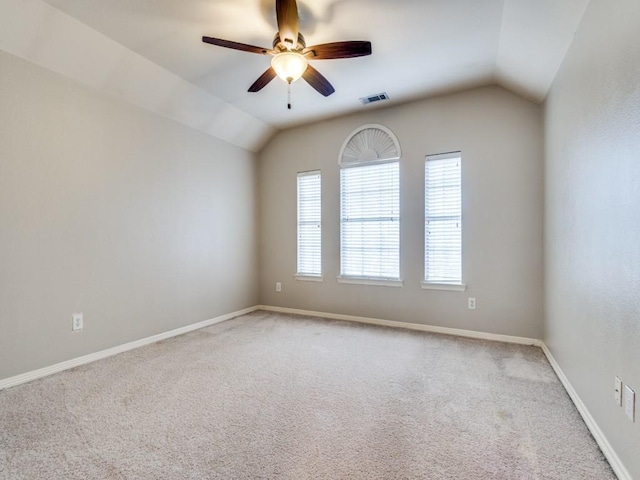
[[472, 303], [630, 403], [278, 287], [77, 322], [618, 391]]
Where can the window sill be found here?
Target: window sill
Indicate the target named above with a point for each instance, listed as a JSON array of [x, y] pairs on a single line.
[[452, 287], [371, 281], [308, 278]]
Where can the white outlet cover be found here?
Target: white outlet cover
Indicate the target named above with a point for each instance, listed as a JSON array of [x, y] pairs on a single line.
[[278, 287], [618, 391], [77, 322], [630, 403], [472, 303]]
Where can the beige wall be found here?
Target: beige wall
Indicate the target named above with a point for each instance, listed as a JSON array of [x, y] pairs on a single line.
[[501, 138], [139, 222], [592, 227]]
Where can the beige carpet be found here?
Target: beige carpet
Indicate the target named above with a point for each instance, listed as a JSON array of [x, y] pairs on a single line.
[[272, 396]]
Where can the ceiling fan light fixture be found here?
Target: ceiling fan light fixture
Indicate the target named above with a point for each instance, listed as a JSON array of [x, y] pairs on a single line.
[[289, 66]]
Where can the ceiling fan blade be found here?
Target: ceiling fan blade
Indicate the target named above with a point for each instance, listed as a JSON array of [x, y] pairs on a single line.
[[237, 46], [317, 81], [328, 51], [264, 79], [287, 13]]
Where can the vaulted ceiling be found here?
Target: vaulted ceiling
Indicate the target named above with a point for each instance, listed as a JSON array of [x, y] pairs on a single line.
[[150, 52]]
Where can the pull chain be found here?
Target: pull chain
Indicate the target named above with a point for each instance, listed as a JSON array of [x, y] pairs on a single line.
[[289, 94]]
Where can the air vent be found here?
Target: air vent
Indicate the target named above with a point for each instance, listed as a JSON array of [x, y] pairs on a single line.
[[374, 98]]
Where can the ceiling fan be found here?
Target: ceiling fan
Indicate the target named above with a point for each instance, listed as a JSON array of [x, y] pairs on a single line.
[[291, 55]]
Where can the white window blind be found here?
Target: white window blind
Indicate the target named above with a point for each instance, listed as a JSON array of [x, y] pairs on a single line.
[[370, 221], [309, 224], [443, 219]]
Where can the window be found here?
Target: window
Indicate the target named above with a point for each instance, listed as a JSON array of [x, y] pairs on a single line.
[[443, 220], [370, 221], [309, 224]]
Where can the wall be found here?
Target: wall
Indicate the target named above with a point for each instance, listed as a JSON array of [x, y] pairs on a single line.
[[500, 135], [592, 219], [139, 222]]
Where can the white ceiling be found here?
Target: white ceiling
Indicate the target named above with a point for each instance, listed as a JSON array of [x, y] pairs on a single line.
[[420, 48]]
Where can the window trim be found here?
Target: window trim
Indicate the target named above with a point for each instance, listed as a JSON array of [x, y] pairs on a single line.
[[380, 282], [452, 287], [439, 285], [366, 280], [308, 276]]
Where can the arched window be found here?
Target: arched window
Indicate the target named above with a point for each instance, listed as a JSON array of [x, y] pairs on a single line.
[[370, 207]]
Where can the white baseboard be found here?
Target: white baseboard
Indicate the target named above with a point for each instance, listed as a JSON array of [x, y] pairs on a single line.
[[92, 357], [608, 451], [605, 446], [411, 326]]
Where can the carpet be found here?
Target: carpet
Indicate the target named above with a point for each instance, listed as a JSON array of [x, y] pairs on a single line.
[[271, 396]]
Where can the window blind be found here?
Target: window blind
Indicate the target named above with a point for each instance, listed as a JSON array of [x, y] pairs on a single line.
[[370, 221], [309, 224], [443, 219]]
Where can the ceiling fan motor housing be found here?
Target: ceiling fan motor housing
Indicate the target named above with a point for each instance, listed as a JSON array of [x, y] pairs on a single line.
[[280, 46]]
